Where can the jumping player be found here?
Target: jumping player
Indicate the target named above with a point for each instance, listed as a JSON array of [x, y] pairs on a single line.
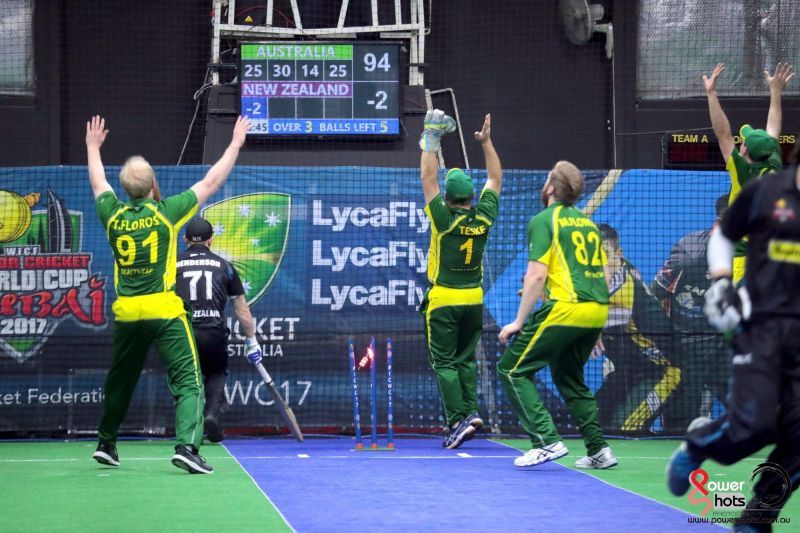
[[143, 234], [764, 395], [759, 152], [565, 265], [206, 282], [453, 306]]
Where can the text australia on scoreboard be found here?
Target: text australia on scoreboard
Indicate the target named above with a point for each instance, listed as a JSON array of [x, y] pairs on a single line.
[[320, 88]]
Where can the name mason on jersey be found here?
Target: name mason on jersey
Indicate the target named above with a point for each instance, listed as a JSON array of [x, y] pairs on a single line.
[[376, 256], [377, 217]]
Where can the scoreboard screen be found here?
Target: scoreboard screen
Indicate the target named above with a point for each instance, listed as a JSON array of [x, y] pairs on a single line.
[[320, 88], [691, 150]]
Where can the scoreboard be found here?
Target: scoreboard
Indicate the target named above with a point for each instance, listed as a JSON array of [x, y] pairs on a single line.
[[320, 88], [692, 150]]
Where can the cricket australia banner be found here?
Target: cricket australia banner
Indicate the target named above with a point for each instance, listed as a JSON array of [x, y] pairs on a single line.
[[324, 254]]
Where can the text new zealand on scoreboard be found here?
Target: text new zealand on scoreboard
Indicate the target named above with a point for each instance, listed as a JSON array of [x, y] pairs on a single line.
[[320, 88]]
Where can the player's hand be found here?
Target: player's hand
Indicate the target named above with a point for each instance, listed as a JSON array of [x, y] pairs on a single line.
[[710, 82], [486, 132], [599, 349], [783, 73], [240, 131], [436, 125], [508, 331], [253, 350], [96, 132], [726, 307]]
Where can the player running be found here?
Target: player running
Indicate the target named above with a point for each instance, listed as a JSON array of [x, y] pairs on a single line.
[[143, 234], [759, 152], [565, 266], [453, 305], [764, 395], [206, 282]]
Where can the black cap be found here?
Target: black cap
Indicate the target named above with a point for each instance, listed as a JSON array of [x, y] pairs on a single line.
[[199, 230]]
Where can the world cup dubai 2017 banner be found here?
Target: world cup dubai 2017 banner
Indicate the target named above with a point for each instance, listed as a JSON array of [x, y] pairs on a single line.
[[324, 255]]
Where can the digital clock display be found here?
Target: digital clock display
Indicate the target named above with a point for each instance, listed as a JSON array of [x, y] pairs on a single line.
[[325, 88]]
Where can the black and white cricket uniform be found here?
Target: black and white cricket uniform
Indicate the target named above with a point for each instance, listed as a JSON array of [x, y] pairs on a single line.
[[764, 396], [206, 282]]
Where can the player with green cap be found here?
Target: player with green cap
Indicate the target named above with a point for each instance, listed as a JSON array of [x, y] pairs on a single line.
[[759, 152], [453, 305]]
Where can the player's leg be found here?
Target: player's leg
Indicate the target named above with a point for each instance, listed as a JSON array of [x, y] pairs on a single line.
[[212, 349], [469, 334], [528, 353], [568, 377], [177, 349], [441, 332], [750, 421], [130, 342], [654, 387]]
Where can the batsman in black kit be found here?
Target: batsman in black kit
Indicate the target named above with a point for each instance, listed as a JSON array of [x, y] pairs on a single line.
[[206, 282], [764, 397]]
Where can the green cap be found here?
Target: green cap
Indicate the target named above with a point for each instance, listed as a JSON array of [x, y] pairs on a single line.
[[760, 144], [458, 186]]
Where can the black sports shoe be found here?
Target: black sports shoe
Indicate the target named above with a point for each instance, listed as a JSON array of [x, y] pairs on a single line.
[[459, 434], [189, 459], [106, 454], [213, 429]]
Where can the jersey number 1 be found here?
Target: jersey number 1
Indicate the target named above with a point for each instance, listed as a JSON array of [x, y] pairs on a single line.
[[467, 246]]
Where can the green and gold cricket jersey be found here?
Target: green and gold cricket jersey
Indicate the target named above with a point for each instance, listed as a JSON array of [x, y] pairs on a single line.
[[567, 241], [143, 235], [741, 173], [458, 239]]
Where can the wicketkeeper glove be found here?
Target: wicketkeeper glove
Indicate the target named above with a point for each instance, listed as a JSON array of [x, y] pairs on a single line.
[[436, 125], [726, 306], [253, 350]]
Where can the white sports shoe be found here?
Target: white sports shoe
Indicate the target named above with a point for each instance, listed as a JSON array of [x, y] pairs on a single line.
[[603, 459], [538, 456]]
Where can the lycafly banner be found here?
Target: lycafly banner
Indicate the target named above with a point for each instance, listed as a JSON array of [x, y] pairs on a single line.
[[323, 253]]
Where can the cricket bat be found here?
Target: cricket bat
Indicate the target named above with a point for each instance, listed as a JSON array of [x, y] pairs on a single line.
[[286, 411]]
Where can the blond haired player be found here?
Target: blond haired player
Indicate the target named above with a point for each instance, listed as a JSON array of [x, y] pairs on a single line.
[[565, 267], [143, 234]]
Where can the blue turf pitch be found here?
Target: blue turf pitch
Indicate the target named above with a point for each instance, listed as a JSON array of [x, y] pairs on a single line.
[[323, 485]]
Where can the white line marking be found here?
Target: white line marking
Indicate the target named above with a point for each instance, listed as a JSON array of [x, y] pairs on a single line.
[[260, 489], [612, 485], [285, 457]]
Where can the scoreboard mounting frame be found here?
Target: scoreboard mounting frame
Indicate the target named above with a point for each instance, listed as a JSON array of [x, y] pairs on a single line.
[[320, 89]]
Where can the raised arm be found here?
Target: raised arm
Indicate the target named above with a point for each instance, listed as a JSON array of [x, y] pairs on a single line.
[[95, 136], [720, 123], [436, 124], [494, 171], [216, 175], [783, 73]]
